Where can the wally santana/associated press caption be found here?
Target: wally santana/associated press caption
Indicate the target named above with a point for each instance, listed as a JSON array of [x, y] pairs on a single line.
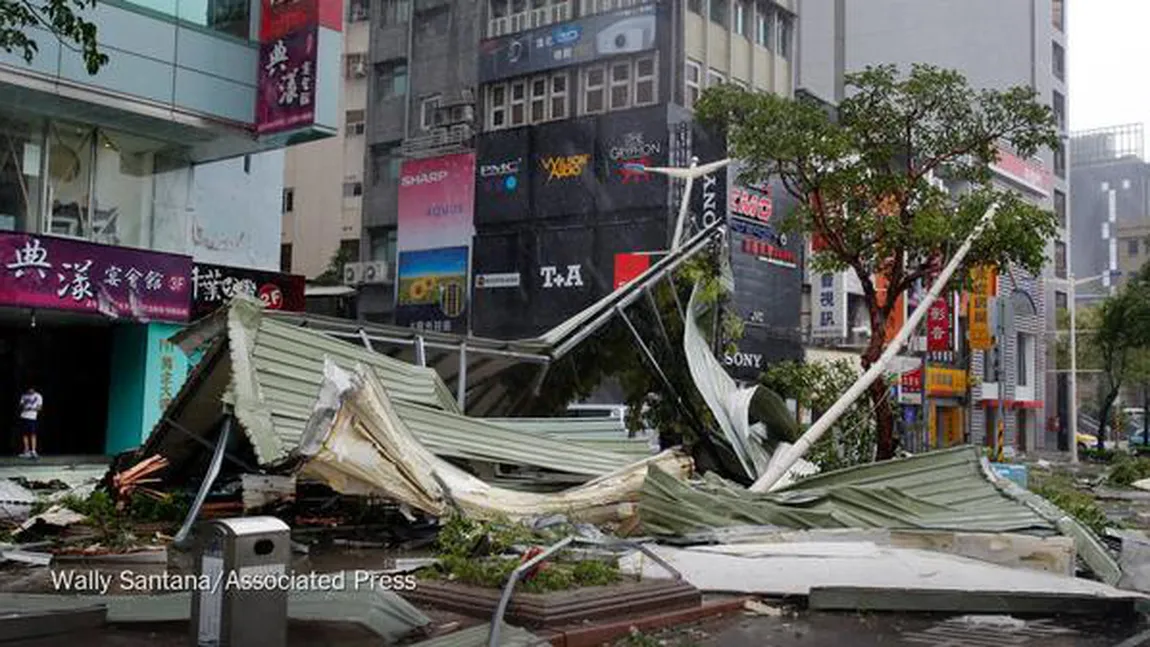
[[252, 578]]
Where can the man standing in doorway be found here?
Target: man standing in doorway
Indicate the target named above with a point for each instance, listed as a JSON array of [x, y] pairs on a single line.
[[30, 404]]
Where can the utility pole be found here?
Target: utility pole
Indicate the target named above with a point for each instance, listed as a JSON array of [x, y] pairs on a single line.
[[999, 375]]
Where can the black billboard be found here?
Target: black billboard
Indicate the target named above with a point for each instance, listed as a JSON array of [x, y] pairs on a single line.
[[502, 172], [501, 287], [627, 140], [591, 38], [563, 275], [709, 194], [563, 178], [214, 285], [767, 267]]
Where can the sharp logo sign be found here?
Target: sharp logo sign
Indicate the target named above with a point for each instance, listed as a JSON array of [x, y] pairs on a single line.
[[566, 167], [552, 278], [434, 177], [502, 176]]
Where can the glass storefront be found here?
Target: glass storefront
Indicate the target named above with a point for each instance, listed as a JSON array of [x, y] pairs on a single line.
[[81, 181]]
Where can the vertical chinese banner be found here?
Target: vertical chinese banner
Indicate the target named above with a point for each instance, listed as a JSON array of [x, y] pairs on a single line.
[[938, 326], [289, 54], [978, 309]]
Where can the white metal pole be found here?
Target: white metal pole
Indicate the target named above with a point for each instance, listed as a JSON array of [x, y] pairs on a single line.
[[832, 415], [684, 204]]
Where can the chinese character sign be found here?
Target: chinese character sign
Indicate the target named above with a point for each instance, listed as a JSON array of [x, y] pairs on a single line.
[[938, 326], [829, 311], [65, 274], [214, 285], [978, 309], [286, 92]]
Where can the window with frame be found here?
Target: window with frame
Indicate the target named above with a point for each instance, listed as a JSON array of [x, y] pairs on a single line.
[[1058, 61], [532, 100], [692, 82], [1060, 163], [285, 258], [288, 200], [386, 160], [357, 11], [1061, 301], [1060, 207], [786, 34], [511, 16], [1132, 247], [1058, 14], [395, 12], [427, 107], [589, 7], [391, 79], [434, 22], [721, 13], [1060, 259], [355, 65], [743, 18], [1023, 353], [715, 78], [620, 84], [354, 122], [594, 89], [352, 189], [1058, 105], [765, 25]]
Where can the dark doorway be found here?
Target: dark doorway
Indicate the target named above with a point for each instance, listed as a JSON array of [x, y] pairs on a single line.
[[69, 365]]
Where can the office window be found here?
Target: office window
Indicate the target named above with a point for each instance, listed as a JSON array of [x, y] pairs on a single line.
[[1060, 259], [1060, 163], [743, 18], [511, 16], [695, 6], [355, 65], [434, 23], [594, 89], [1058, 14], [395, 12], [357, 11], [786, 34], [352, 189], [1058, 62], [692, 78], [288, 200], [714, 78], [1058, 104], [391, 79], [765, 25], [1024, 353], [721, 12], [1060, 207], [533, 100], [645, 86], [621, 85], [353, 121], [1132, 247], [427, 106], [1061, 301]]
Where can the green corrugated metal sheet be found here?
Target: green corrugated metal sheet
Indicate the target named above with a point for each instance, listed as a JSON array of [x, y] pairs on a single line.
[[943, 490], [278, 371]]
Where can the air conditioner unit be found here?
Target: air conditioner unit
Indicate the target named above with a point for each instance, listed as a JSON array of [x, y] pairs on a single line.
[[360, 69], [375, 272], [352, 273]]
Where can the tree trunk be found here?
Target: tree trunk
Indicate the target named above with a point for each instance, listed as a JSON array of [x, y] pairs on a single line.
[[878, 391], [1104, 418]]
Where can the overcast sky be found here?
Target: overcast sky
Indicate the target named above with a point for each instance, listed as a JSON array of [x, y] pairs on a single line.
[[1108, 49]]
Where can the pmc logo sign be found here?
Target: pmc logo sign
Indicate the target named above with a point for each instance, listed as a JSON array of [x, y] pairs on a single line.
[[562, 168]]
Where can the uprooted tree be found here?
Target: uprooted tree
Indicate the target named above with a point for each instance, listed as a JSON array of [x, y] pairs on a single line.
[[867, 181], [61, 18]]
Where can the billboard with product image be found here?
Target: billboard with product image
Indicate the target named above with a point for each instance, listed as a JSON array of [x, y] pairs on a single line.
[[587, 39], [433, 289]]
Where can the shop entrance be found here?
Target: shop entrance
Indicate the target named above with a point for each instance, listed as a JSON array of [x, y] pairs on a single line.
[[67, 357], [947, 428]]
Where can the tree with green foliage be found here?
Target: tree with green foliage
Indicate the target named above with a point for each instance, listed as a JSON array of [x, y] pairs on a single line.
[[333, 273], [1120, 343], [815, 386], [866, 179], [61, 18]]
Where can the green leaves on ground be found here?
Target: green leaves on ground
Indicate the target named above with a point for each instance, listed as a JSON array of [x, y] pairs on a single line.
[[23, 22], [1060, 491]]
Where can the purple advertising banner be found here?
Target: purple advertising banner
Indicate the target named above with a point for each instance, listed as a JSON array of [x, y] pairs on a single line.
[[286, 92], [64, 274]]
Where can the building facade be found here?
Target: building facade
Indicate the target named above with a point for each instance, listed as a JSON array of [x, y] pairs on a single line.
[[995, 45], [129, 196], [1111, 190], [548, 109], [323, 180]]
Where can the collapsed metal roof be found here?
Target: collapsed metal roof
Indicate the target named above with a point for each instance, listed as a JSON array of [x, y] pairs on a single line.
[[944, 490]]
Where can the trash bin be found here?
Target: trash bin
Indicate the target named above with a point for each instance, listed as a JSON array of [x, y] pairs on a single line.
[[238, 602]]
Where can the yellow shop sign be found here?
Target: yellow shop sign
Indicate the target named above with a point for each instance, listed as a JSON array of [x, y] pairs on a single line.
[[945, 382]]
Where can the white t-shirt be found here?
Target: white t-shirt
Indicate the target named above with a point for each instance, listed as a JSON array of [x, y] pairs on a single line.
[[30, 405]]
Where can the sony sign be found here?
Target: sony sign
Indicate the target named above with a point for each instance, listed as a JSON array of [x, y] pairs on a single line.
[[710, 200], [743, 360]]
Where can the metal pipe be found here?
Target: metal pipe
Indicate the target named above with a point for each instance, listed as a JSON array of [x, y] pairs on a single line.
[[366, 340], [205, 485], [832, 415], [512, 580], [420, 351], [461, 386]]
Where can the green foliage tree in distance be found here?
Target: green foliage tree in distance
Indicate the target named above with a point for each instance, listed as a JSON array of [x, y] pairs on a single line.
[[20, 19], [333, 273], [864, 180]]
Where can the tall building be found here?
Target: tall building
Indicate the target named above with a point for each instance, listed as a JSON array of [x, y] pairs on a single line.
[[507, 137], [1110, 182], [323, 180], [141, 196], [995, 45]]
